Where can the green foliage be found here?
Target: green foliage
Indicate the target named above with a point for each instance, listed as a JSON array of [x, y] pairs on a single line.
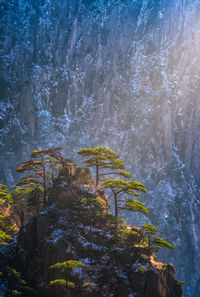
[[125, 173], [91, 203], [164, 267], [66, 268], [62, 283], [44, 152], [129, 233], [7, 228], [14, 274], [4, 237], [37, 179], [149, 229], [16, 293], [90, 211], [154, 243], [71, 264], [122, 221], [87, 285], [180, 284], [101, 153], [144, 257], [108, 220], [27, 198], [43, 172], [160, 242], [58, 283], [141, 270], [5, 196], [70, 284], [30, 165], [133, 205], [122, 186], [103, 158], [20, 192], [119, 187], [15, 284]]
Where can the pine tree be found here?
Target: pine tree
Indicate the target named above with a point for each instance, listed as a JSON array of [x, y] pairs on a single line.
[[154, 243], [66, 268], [103, 158], [43, 171], [120, 187], [27, 198]]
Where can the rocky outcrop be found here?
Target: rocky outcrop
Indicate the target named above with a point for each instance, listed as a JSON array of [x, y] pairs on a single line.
[[115, 268], [119, 73]]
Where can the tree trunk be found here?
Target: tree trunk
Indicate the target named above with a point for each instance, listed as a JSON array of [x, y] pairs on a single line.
[[116, 205], [97, 173], [116, 214], [44, 185]]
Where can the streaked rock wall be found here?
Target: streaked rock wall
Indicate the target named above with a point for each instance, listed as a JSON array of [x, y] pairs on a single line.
[[119, 73]]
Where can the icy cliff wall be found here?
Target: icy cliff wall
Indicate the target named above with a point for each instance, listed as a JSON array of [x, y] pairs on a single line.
[[119, 73]]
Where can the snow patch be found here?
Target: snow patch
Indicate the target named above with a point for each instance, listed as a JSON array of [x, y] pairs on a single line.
[[57, 235]]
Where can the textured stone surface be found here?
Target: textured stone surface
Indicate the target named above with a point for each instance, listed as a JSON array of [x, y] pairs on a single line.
[[118, 73], [118, 269]]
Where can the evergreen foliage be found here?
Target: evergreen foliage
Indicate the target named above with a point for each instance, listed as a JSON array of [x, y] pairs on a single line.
[[154, 243], [86, 285], [180, 284], [120, 187], [43, 170], [149, 229], [133, 205], [27, 198], [7, 228], [100, 227], [103, 158], [157, 242], [62, 283], [90, 210], [66, 268], [32, 190], [14, 284], [5, 196], [68, 265], [129, 233]]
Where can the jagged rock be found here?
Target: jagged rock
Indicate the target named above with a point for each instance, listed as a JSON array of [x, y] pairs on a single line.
[[45, 245], [116, 268], [72, 187], [162, 284]]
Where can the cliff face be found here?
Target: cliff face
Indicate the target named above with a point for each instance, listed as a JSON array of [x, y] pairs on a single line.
[[118, 73], [119, 268]]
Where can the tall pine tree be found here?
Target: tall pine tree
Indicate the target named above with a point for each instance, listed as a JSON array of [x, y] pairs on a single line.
[[103, 159]]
